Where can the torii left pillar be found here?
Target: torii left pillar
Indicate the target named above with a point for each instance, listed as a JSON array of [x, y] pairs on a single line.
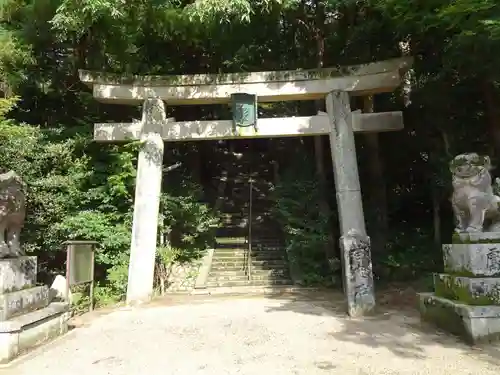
[[146, 203]]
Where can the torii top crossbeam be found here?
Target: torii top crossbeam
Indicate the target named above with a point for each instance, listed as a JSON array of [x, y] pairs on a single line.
[[364, 79]]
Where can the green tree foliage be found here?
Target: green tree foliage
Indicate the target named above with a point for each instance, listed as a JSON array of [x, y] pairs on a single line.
[[75, 195], [305, 226]]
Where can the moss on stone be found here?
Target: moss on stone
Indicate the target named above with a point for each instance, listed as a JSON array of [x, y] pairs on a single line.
[[456, 239], [245, 77], [467, 273], [444, 317], [462, 272], [450, 287], [28, 286]]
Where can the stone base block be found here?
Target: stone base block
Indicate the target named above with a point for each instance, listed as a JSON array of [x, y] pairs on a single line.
[[474, 324], [25, 332], [23, 301], [358, 277], [478, 291], [472, 259], [17, 273], [478, 237]]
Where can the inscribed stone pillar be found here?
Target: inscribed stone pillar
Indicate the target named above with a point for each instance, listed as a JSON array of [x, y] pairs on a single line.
[[147, 203], [354, 243]]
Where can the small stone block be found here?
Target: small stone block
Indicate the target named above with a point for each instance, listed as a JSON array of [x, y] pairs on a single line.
[[472, 259], [358, 277], [27, 331], [479, 291], [17, 273], [479, 237], [474, 324], [23, 301]]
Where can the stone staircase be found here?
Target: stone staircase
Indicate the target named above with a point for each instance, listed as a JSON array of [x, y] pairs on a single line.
[[249, 249]]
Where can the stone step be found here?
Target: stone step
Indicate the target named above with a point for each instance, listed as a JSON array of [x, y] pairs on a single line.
[[242, 262], [243, 256], [243, 251], [255, 272], [268, 254], [232, 252], [23, 301], [255, 252], [259, 277], [233, 268], [230, 247], [216, 284], [243, 279], [243, 266], [255, 257], [219, 278], [217, 263], [21, 333], [269, 244], [283, 270], [268, 247], [230, 240], [237, 230]]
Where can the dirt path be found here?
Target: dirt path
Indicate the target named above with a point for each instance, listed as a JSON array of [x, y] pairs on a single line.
[[255, 335]]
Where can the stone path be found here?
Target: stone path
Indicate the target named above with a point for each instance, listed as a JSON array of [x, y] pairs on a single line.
[[256, 335]]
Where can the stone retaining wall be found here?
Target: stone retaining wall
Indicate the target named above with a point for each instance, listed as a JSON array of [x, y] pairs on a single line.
[[183, 276]]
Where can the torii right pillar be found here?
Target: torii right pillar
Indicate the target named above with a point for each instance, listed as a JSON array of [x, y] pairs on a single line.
[[354, 242]]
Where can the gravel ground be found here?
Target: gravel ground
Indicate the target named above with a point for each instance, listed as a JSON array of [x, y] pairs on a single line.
[[256, 335]]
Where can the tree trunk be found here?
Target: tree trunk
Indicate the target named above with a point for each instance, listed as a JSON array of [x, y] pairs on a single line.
[[318, 140], [492, 100], [376, 189], [436, 215]]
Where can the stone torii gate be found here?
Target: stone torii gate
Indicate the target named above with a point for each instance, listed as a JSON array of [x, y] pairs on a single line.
[[335, 85]]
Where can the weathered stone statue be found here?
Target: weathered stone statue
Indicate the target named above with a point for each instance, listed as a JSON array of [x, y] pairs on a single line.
[[28, 314], [474, 202], [12, 213], [466, 298]]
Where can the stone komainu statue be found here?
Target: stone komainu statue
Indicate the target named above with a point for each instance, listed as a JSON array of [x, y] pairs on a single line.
[[474, 202], [12, 213]]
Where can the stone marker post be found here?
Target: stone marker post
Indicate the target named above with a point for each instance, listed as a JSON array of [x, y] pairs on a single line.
[[354, 243], [147, 203]]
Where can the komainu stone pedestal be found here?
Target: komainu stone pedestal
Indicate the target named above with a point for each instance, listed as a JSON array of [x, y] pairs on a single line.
[[466, 298], [27, 318]]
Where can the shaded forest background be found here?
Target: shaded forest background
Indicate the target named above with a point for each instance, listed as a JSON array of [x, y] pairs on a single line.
[[80, 189]]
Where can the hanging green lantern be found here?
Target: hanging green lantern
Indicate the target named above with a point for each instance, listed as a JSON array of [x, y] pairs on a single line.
[[244, 108]]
